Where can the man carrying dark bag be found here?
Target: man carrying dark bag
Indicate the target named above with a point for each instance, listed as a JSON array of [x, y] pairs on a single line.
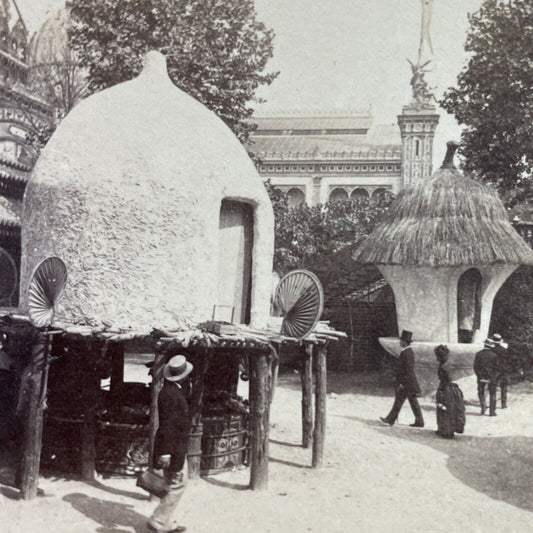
[[170, 447], [406, 384]]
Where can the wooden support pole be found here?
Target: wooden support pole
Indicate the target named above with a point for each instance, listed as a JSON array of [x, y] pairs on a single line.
[[116, 350], [259, 395], [88, 446], [320, 407], [91, 386], [155, 388], [33, 429], [306, 377], [194, 457]]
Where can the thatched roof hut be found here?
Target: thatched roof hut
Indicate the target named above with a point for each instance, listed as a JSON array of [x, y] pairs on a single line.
[[155, 208], [445, 246], [445, 220]]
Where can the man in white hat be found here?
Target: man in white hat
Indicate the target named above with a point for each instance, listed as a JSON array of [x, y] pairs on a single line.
[[487, 371], [170, 447]]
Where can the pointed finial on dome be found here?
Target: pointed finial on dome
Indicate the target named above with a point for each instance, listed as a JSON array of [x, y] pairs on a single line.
[[450, 152], [155, 64]]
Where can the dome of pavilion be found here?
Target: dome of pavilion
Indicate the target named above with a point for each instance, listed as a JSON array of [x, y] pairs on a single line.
[[128, 193], [445, 220]]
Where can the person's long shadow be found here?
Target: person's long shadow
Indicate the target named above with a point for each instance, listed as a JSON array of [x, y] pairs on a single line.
[[114, 517], [500, 467]]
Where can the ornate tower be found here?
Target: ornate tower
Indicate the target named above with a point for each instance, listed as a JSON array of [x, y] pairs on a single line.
[[419, 119]]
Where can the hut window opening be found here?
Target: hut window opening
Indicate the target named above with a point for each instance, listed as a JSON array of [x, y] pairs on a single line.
[[236, 237], [468, 304]]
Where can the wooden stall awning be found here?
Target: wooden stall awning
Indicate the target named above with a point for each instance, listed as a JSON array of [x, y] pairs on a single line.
[[243, 337]]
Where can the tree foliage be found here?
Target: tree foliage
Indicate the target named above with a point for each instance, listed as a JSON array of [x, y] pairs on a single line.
[[306, 236], [217, 50], [493, 98], [512, 316]]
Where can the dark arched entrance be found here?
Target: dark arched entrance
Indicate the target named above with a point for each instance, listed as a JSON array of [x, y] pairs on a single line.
[[468, 304]]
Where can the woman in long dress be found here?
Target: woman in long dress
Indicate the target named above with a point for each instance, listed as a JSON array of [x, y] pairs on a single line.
[[445, 400]]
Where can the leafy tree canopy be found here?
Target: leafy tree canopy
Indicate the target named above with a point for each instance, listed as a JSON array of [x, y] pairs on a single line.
[[216, 50], [493, 98], [307, 236]]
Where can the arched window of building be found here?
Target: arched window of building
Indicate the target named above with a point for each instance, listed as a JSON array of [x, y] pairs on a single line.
[[338, 195], [378, 194], [417, 147], [359, 194], [295, 198]]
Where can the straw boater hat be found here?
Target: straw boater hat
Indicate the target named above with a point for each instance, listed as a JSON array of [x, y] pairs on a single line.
[[177, 368], [497, 339]]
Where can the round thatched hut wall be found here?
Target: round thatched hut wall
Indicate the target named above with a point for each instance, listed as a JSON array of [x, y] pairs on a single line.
[[445, 246], [128, 193]]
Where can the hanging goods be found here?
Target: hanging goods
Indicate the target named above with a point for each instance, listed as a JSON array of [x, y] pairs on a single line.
[[46, 288], [299, 299]]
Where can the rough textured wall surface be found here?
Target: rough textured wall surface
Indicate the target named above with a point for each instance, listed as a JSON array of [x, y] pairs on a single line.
[[127, 193]]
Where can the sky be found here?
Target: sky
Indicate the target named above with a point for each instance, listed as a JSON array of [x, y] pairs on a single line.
[[349, 54]]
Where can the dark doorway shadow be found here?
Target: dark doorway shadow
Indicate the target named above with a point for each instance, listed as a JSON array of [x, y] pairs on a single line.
[[113, 517], [499, 467]]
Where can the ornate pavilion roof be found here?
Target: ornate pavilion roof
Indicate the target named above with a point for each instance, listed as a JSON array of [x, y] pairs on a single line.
[[325, 137]]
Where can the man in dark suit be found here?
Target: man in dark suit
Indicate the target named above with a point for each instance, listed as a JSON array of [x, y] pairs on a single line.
[[488, 371], [500, 349], [406, 384], [170, 447]]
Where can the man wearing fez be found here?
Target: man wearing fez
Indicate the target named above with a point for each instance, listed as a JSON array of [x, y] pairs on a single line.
[[406, 384], [170, 447]]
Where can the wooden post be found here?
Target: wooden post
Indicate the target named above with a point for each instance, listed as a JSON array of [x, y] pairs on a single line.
[[33, 429], [88, 446], [155, 388], [320, 407], [91, 385], [306, 377], [259, 395], [116, 351], [194, 460]]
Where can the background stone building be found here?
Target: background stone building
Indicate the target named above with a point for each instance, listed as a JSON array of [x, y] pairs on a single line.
[[331, 156]]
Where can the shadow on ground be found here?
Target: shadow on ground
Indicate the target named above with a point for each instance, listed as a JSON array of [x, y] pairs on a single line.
[[369, 383], [499, 467], [113, 517]]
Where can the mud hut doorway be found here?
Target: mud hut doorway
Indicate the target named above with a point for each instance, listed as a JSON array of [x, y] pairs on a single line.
[[468, 304], [235, 258]]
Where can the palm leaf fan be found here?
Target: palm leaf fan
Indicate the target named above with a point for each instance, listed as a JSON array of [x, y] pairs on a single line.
[[46, 288], [8, 278], [300, 300]]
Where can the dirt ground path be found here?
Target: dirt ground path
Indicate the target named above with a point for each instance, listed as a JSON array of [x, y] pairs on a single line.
[[375, 478]]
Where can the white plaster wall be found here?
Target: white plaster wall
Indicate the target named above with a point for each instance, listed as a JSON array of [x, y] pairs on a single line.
[[426, 298], [127, 193], [421, 297]]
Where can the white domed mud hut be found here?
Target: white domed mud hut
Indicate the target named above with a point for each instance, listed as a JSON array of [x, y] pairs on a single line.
[[445, 247], [151, 207], [154, 207]]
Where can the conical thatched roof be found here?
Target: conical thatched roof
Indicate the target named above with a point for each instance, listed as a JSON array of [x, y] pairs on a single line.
[[446, 220]]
